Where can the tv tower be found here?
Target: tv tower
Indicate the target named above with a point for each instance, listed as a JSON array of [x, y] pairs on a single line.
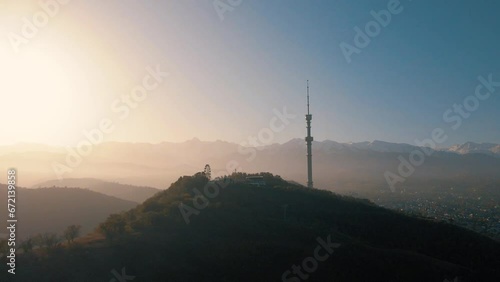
[[309, 140]]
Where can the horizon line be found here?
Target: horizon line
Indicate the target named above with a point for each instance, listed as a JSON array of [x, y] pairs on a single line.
[[224, 141]]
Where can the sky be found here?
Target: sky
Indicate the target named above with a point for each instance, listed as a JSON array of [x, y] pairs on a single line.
[[232, 65]]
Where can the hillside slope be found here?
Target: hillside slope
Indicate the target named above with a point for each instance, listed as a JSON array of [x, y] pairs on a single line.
[[121, 191], [53, 209], [243, 234]]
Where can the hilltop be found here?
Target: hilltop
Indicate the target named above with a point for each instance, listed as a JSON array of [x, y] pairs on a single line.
[[240, 232]]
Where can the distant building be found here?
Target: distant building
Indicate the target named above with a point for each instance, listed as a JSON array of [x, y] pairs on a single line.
[[257, 180]]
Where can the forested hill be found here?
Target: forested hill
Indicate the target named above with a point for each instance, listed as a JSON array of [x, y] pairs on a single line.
[[279, 232]]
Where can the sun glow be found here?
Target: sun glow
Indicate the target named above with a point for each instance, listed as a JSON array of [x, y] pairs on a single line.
[[38, 96]]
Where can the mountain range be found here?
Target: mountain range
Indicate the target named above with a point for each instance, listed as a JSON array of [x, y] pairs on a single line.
[[388, 147], [471, 147], [336, 166]]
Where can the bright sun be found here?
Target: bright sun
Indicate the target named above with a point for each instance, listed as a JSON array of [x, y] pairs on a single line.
[[37, 97]]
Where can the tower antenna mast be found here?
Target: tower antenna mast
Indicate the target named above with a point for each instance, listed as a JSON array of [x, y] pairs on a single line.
[[309, 140], [307, 96]]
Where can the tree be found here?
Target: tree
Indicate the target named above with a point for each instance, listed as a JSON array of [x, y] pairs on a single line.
[[3, 246], [37, 240], [113, 227], [72, 232], [27, 245], [47, 240], [208, 172]]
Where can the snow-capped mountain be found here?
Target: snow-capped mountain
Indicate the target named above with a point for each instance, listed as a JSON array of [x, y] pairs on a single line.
[[332, 146], [479, 148], [382, 146], [156, 164], [387, 147]]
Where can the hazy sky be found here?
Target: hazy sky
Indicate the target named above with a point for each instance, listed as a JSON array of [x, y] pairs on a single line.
[[226, 75]]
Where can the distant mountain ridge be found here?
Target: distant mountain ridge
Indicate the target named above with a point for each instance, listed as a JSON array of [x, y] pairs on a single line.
[[388, 147], [54, 209], [476, 148], [376, 145], [335, 165], [121, 191]]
